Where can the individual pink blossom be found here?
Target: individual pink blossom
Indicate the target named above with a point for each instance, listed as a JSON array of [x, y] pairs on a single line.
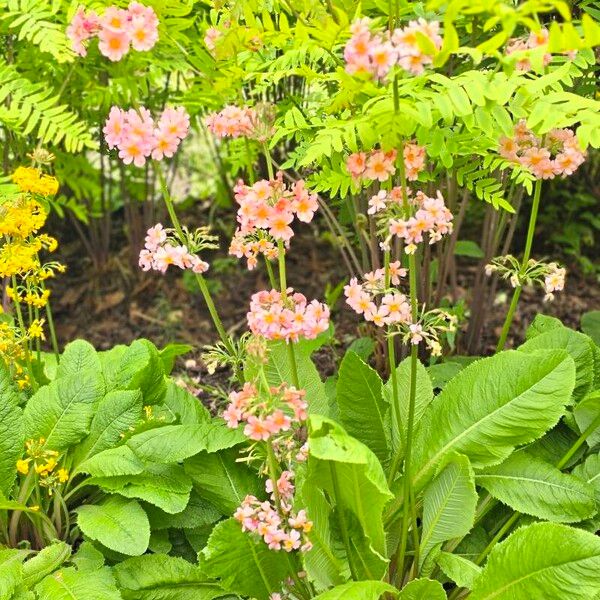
[[380, 165], [356, 164], [113, 44], [114, 127]]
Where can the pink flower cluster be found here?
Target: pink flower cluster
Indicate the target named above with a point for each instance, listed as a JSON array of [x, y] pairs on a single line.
[[520, 45], [431, 218], [211, 36], [557, 153], [117, 29], [376, 54], [232, 121], [288, 318], [267, 209], [162, 250], [393, 307], [265, 417], [384, 198], [138, 137], [379, 165], [280, 527]]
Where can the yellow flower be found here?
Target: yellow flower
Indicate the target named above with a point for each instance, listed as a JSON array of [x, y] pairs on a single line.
[[21, 217], [63, 475], [23, 466], [36, 329], [46, 468]]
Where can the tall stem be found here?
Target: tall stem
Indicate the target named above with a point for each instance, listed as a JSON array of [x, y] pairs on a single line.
[[199, 278], [408, 499], [526, 255], [23, 329], [51, 327]]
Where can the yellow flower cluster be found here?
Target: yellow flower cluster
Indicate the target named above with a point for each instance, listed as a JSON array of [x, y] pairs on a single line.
[[44, 463], [32, 180], [22, 217], [12, 352]]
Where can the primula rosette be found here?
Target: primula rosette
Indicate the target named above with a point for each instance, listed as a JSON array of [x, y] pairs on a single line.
[[378, 165], [138, 137], [288, 317], [557, 153], [163, 248], [117, 30], [550, 276], [267, 210], [377, 53]]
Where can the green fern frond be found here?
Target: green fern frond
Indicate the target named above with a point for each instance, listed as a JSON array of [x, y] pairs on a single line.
[[33, 108], [35, 21]]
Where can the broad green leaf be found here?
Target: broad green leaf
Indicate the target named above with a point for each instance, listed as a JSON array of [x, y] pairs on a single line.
[[88, 558], [219, 479], [186, 408], [442, 373], [449, 504], [171, 443], [241, 563], [45, 562], [484, 414], [359, 590], [352, 477], [165, 486], [532, 486], [542, 324], [589, 471], [363, 347], [422, 589], [590, 325], [468, 248], [170, 352], [460, 570], [117, 523], [12, 435], [117, 412], [11, 571], [140, 367], [197, 513], [543, 560], [362, 409], [79, 356], [112, 462], [71, 584], [162, 577], [586, 413], [62, 411], [578, 345], [423, 397]]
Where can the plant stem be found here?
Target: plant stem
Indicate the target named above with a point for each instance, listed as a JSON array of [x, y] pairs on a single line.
[[199, 278], [578, 442], [23, 329], [526, 255], [269, 162], [52, 329], [501, 533], [408, 498], [270, 273]]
